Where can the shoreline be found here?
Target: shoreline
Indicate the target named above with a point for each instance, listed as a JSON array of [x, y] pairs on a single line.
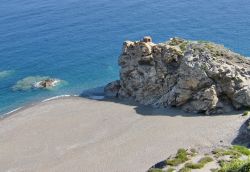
[[28, 105], [58, 135], [95, 93]]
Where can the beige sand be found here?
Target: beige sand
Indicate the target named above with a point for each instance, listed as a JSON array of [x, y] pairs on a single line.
[[77, 134]]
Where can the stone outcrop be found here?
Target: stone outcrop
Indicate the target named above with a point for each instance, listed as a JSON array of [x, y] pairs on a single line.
[[47, 83], [36, 82], [197, 76]]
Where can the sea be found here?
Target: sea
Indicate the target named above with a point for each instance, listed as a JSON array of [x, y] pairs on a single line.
[[79, 41]]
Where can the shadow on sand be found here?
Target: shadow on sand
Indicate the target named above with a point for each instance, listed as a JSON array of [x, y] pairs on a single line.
[[243, 137], [98, 94]]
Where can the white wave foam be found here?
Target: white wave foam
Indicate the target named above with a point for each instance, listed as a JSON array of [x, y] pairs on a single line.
[[52, 98], [54, 83], [58, 97], [8, 113]]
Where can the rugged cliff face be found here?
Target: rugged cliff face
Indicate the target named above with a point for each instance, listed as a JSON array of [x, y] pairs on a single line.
[[197, 76]]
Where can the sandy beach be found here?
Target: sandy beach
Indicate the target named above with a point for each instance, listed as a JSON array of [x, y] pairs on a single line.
[[78, 134]]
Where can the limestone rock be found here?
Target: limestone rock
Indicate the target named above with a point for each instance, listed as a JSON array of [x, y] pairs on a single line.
[[47, 83], [36, 82], [197, 76], [147, 39]]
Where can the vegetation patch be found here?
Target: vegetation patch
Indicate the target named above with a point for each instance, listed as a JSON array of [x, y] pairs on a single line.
[[170, 169], [235, 165], [181, 157], [175, 41], [201, 163], [185, 169], [232, 159], [245, 113], [222, 152], [155, 170], [241, 149]]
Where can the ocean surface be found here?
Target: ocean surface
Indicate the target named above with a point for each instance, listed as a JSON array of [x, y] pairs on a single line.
[[79, 41]]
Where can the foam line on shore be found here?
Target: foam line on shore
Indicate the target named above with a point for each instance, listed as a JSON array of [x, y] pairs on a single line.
[[94, 97], [10, 112], [31, 104], [58, 97]]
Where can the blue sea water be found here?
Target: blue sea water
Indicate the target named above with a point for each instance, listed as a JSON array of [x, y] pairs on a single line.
[[79, 41]]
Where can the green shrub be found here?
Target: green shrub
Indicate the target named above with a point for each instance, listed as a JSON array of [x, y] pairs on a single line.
[[170, 170], [221, 152], [245, 167], [241, 149], [181, 157], [194, 165], [183, 46], [185, 169], [155, 170], [205, 160], [233, 166], [245, 113], [201, 163]]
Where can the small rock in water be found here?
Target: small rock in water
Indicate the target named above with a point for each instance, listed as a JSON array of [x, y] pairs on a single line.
[[47, 83], [35, 82]]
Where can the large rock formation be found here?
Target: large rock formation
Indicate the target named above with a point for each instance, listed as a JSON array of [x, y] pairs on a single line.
[[198, 76]]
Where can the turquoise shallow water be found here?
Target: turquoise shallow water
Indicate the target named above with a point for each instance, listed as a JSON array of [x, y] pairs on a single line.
[[79, 41]]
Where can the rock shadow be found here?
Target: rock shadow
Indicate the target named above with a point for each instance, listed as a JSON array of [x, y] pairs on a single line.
[[243, 137], [98, 94]]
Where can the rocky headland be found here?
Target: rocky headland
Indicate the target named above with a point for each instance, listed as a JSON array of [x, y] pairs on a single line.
[[197, 76]]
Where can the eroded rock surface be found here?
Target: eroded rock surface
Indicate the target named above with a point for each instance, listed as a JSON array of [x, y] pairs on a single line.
[[197, 76], [47, 83]]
